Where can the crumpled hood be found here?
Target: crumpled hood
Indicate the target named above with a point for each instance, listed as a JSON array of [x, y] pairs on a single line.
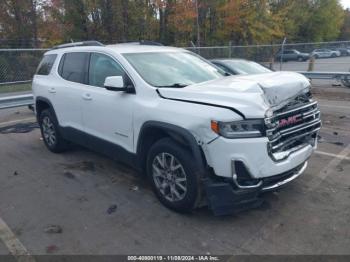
[[252, 95]]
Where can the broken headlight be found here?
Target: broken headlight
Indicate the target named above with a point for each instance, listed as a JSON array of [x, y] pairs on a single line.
[[239, 129]]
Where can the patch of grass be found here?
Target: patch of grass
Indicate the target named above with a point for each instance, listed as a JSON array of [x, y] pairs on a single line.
[[15, 88]]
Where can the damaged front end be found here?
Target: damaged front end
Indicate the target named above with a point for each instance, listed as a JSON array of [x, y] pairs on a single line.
[[289, 128], [225, 196]]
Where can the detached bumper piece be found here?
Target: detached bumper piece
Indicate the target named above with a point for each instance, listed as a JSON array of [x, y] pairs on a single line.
[[229, 197]]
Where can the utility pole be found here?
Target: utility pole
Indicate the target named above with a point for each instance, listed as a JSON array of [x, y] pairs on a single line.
[[198, 32], [282, 50]]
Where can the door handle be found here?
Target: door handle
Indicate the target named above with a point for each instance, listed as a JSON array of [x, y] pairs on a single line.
[[52, 90], [87, 97]]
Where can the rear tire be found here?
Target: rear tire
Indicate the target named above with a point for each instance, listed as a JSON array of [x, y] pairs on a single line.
[[172, 172], [50, 132]]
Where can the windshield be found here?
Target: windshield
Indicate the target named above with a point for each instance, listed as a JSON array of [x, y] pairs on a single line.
[[172, 69], [247, 67]]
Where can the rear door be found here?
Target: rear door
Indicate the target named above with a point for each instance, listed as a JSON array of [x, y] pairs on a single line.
[[68, 92]]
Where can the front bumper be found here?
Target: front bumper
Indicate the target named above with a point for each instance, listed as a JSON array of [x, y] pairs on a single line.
[[227, 197], [253, 153]]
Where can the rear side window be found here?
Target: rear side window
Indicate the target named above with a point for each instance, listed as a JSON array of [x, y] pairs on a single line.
[[74, 66], [46, 64]]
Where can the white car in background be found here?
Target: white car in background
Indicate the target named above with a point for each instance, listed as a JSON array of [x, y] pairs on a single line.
[[325, 53]]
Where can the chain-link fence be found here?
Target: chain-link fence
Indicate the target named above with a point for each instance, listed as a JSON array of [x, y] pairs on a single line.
[[263, 53], [17, 66]]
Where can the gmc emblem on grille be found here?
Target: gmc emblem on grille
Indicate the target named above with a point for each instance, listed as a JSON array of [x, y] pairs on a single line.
[[292, 120]]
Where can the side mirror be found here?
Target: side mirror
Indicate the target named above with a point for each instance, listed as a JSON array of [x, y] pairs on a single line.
[[115, 83]]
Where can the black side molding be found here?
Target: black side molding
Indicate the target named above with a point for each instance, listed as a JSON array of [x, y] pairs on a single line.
[[101, 146], [202, 103]]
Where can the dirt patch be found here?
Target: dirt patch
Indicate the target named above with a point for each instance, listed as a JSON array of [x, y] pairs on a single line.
[[341, 94], [19, 128], [82, 166]]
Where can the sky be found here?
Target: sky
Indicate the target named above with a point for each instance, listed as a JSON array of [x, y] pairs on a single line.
[[345, 3]]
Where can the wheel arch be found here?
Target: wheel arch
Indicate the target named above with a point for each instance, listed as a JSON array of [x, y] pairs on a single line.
[[42, 103], [152, 131]]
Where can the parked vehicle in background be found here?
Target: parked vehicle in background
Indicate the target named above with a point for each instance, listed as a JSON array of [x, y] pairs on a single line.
[[343, 51], [199, 136], [325, 53], [240, 66], [292, 55]]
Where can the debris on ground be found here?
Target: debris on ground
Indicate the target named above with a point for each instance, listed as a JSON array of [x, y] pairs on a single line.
[[111, 209], [88, 166], [339, 168], [82, 199], [134, 188], [19, 128], [69, 175], [337, 143], [53, 229], [335, 133], [320, 139], [51, 249], [15, 173], [342, 117], [83, 166]]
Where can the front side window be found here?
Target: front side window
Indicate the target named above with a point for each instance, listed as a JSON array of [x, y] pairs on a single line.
[[46, 64], [102, 66], [73, 67], [172, 69]]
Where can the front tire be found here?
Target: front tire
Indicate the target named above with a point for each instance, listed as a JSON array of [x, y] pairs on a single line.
[[50, 132], [174, 177]]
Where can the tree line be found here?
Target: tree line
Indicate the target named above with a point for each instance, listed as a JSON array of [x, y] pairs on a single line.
[[44, 23]]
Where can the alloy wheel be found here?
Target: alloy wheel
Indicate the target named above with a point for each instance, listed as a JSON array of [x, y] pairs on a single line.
[[49, 131], [169, 177]]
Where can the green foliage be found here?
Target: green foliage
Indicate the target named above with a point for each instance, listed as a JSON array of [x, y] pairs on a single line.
[[15, 88], [173, 22], [345, 29]]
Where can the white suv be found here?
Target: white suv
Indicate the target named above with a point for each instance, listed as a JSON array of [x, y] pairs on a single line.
[[200, 136]]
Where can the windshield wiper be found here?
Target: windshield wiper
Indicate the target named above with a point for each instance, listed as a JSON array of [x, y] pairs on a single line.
[[175, 85]]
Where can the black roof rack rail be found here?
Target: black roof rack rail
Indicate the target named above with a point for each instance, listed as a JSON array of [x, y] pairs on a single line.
[[83, 43], [147, 42]]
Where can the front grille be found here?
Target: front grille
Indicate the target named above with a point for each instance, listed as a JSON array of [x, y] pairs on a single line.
[[293, 126]]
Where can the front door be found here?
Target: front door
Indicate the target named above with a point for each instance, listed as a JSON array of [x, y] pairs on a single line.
[[107, 115]]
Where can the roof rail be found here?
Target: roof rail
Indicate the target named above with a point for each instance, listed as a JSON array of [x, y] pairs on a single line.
[[83, 43], [147, 42]]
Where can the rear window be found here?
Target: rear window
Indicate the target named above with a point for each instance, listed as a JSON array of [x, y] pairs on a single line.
[[46, 64], [73, 67]]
